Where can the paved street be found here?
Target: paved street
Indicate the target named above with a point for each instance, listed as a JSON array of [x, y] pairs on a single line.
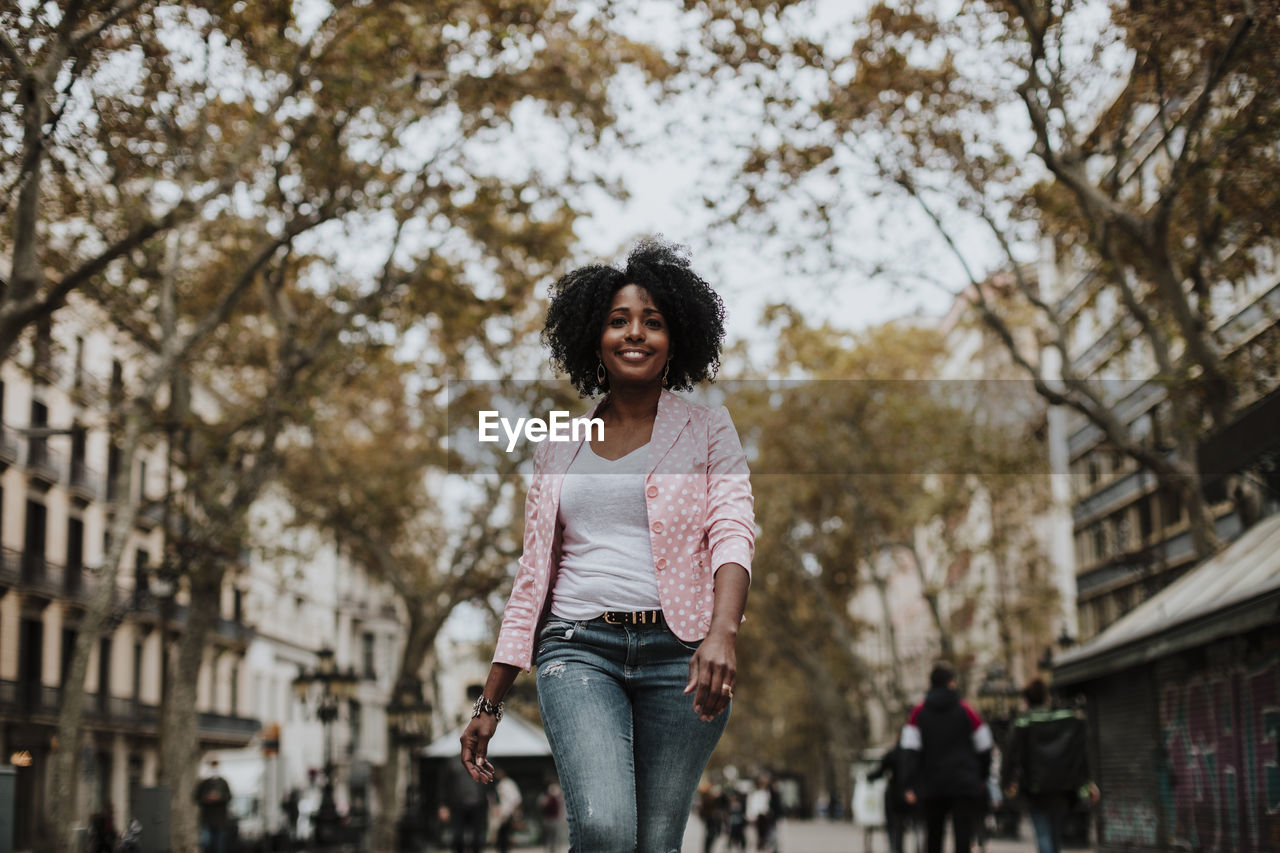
[[808, 836]]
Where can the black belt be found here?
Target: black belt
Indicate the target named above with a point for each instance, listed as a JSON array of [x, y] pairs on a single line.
[[638, 617]]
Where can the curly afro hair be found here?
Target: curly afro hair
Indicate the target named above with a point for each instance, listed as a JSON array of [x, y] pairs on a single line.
[[693, 312]]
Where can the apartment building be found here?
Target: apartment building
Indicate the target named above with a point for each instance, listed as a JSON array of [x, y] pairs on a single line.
[[1131, 536], [59, 457]]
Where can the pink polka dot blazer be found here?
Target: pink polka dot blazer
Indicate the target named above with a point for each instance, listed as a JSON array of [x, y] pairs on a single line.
[[701, 516]]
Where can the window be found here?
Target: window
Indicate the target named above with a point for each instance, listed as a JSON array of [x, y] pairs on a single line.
[[1170, 508], [77, 365], [38, 447], [368, 647], [113, 469], [116, 394], [137, 672], [141, 575], [356, 718], [43, 348], [75, 554], [104, 671], [1144, 520], [68, 649]]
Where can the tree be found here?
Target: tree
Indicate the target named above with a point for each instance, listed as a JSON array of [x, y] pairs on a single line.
[[1139, 136], [890, 464], [219, 177]]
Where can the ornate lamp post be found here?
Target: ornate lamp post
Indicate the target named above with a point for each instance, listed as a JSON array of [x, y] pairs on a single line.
[[409, 717], [997, 690], [334, 687]]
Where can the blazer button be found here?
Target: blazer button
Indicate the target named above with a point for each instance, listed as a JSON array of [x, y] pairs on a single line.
[[661, 563], [656, 527], [652, 491]]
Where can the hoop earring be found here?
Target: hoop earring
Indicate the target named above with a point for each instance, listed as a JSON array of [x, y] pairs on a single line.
[[664, 374], [601, 377]]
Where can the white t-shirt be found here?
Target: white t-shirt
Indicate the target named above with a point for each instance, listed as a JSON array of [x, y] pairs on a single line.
[[606, 559]]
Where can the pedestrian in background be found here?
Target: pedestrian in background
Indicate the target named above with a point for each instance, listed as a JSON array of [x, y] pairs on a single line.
[[551, 808], [712, 807], [102, 830], [896, 809], [637, 552], [1046, 761], [213, 798], [290, 806], [508, 809], [764, 809], [468, 811], [736, 821], [946, 749]]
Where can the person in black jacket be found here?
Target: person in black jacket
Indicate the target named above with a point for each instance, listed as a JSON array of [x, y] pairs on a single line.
[[946, 749], [896, 808], [1045, 760]]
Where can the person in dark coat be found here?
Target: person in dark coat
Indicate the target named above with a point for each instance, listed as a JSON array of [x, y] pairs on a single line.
[[896, 809], [213, 797], [1045, 759], [946, 749], [468, 811]]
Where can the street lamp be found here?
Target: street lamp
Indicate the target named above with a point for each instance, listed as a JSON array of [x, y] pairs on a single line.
[[409, 717], [997, 688], [335, 687]]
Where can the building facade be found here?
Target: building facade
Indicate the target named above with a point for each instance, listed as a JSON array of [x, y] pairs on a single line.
[[280, 606], [59, 456]]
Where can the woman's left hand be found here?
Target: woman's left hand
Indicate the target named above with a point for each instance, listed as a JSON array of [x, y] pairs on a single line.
[[713, 670]]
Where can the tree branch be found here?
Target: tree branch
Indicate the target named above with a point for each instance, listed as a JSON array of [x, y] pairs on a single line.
[[9, 52], [83, 36]]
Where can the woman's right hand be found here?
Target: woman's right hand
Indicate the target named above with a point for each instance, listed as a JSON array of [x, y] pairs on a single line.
[[475, 747]]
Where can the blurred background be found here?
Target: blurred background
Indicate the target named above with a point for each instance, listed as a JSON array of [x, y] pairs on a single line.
[[1013, 264]]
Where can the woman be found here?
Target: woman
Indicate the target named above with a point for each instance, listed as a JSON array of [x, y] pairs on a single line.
[[631, 587]]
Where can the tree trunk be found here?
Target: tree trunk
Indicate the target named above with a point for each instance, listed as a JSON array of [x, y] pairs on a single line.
[[386, 793], [424, 625], [899, 693], [71, 713], [180, 750]]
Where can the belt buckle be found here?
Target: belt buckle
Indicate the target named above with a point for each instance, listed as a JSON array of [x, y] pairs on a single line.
[[609, 616]]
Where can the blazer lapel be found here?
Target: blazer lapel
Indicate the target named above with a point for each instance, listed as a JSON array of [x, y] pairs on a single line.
[[673, 414]]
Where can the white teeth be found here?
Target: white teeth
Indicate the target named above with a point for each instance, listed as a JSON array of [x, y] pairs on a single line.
[[634, 356]]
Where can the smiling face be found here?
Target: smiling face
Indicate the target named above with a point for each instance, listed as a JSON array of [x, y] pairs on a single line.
[[634, 344]]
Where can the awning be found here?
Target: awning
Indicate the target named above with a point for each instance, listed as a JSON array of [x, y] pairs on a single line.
[[1234, 591], [516, 737]]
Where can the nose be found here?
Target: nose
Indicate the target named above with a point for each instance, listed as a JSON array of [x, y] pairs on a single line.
[[635, 331]]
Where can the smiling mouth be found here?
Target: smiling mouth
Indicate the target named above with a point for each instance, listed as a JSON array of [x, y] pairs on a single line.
[[633, 355]]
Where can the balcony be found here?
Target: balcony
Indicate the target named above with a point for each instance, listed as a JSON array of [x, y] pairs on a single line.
[[44, 367], [9, 448], [44, 465], [232, 729], [28, 699], [10, 568], [86, 483], [39, 702], [87, 389], [150, 514], [39, 575]]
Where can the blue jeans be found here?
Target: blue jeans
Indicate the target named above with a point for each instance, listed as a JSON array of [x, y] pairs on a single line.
[[627, 744], [1048, 814]]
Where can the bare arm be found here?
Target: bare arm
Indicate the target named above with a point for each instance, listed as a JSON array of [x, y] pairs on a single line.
[[714, 666], [476, 736]]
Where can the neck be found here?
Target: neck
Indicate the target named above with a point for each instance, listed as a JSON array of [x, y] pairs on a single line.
[[628, 404]]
